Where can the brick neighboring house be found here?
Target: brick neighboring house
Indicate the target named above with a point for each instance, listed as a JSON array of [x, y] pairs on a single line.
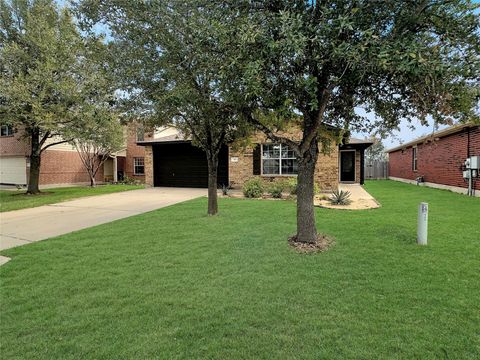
[[61, 163], [171, 160], [437, 158]]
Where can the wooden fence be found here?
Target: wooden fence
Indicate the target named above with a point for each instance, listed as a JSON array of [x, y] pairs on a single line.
[[376, 169]]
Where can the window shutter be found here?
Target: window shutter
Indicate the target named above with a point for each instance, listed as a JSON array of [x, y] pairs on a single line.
[[256, 160]]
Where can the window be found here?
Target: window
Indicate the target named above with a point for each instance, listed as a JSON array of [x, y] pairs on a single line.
[[414, 159], [6, 130], [278, 159], [140, 133], [138, 166]]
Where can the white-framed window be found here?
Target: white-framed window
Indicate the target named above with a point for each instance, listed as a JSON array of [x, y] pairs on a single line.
[[278, 159], [414, 158], [6, 130], [138, 166]]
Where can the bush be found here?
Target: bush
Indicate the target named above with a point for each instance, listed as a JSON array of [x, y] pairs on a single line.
[[276, 189], [291, 185], [253, 188], [340, 197], [130, 181]]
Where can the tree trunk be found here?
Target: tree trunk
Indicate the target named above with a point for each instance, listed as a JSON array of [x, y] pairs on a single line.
[[35, 158], [93, 183], [212, 184], [306, 229]]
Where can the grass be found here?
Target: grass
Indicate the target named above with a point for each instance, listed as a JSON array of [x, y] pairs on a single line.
[[15, 200], [176, 284]]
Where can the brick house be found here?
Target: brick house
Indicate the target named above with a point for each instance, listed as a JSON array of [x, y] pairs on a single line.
[[438, 158], [61, 163], [171, 160]]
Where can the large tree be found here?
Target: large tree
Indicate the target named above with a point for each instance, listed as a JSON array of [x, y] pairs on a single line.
[[168, 60], [46, 75], [323, 60]]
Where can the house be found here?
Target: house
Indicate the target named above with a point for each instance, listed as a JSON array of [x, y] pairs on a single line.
[[172, 160], [438, 159], [61, 164]]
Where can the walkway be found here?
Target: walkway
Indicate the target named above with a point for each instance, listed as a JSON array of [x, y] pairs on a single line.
[[361, 199]]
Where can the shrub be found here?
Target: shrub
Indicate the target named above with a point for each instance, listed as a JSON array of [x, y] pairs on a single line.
[[253, 188], [291, 185], [276, 189], [130, 181], [340, 197]]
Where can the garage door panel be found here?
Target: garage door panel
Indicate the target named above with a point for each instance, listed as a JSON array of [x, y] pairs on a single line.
[[13, 170], [183, 165]]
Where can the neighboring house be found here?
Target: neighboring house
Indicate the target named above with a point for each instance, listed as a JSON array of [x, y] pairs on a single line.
[[437, 159], [61, 163], [171, 160]]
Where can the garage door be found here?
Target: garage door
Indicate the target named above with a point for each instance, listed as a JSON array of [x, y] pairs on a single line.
[[13, 170], [184, 165]]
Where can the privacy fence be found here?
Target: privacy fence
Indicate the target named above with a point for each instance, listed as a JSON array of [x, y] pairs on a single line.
[[376, 169]]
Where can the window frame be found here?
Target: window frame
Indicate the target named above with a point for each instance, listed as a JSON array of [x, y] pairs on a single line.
[[135, 165], [9, 131], [280, 158], [414, 158]]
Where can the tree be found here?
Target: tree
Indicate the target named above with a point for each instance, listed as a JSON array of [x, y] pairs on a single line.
[[320, 60], [376, 152], [40, 83], [36, 43], [98, 139], [169, 65]]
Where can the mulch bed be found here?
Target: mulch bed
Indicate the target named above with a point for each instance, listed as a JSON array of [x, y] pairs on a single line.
[[323, 243]]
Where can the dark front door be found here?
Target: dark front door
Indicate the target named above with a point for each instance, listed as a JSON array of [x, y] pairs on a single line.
[[184, 165], [347, 166]]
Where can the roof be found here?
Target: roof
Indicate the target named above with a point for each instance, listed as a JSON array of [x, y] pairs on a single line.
[[355, 141], [175, 138], [435, 135]]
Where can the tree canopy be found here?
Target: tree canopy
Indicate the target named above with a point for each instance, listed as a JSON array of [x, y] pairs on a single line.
[[168, 59]]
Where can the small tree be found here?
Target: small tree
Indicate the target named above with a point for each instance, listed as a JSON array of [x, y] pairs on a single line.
[[171, 70], [98, 140]]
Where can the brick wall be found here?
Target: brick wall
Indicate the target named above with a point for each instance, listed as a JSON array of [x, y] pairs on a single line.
[[438, 161], [149, 165], [14, 145], [133, 151], [64, 167], [326, 171]]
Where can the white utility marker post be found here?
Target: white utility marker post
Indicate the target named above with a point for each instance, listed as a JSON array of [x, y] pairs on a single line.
[[422, 228]]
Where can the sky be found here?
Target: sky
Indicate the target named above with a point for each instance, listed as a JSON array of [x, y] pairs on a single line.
[[406, 132]]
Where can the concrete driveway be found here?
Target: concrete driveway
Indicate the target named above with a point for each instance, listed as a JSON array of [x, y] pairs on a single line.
[[22, 227]]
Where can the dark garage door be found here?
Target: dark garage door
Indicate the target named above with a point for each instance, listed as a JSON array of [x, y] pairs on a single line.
[[184, 165]]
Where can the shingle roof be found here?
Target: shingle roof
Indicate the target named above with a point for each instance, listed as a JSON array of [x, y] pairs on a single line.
[[434, 135]]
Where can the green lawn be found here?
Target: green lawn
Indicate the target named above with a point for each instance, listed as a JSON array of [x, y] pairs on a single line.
[[14, 200], [176, 284]]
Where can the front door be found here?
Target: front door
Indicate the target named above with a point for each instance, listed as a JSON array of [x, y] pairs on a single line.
[[347, 166]]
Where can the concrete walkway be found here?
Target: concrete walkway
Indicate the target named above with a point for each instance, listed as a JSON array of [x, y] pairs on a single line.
[[361, 199], [22, 227]]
